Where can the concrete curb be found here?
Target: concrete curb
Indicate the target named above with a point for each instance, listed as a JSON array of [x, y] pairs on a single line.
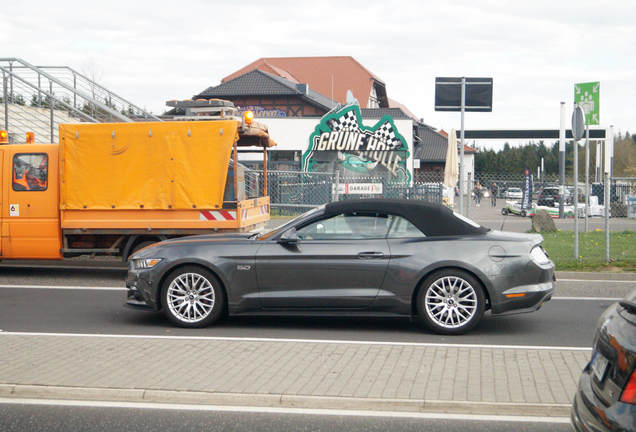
[[20, 391]]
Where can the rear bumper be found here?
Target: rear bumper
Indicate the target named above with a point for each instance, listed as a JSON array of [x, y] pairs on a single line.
[[524, 298]]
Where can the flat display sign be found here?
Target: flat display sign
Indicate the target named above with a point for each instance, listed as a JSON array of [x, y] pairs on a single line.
[[448, 94]]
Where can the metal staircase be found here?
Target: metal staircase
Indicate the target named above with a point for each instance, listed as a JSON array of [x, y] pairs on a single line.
[[38, 98]]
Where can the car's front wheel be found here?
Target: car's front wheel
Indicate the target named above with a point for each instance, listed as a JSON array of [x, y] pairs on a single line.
[[192, 297], [451, 302]]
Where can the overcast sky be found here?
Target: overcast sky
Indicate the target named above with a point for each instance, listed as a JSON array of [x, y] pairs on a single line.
[[153, 51]]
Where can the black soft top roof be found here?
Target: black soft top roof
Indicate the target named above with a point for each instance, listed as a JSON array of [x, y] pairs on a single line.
[[432, 219]]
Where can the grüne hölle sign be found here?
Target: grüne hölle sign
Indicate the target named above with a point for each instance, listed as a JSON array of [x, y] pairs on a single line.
[[341, 142]]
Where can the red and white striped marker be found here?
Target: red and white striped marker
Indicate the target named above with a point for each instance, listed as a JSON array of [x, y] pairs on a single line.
[[217, 215]]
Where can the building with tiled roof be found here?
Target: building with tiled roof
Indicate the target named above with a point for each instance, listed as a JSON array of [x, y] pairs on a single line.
[[278, 96], [331, 76]]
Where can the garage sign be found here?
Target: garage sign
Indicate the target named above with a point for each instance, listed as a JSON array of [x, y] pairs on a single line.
[[342, 143], [360, 188]]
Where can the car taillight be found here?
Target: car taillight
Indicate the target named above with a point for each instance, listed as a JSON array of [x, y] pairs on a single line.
[[629, 393]]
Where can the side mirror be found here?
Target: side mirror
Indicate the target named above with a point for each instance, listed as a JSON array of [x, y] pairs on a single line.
[[289, 237]]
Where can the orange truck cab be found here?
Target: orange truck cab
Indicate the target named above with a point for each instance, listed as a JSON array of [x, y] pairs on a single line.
[[111, 188]]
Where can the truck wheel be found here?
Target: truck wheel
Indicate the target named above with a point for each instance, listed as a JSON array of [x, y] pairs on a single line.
[[450, 302], [192, 297], [523, 213], [504, 211]]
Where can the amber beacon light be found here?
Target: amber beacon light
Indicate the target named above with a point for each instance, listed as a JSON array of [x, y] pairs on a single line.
[[248, 117], [4, 137], [30, 138]]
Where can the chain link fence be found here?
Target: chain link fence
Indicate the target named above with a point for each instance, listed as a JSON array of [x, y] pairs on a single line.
[[294, 192]]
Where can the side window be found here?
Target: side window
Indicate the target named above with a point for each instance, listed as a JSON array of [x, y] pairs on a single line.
[[402, 228], [30, 171], [355, 226]]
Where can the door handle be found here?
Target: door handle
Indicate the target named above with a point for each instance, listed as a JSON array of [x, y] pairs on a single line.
[[370, 255]]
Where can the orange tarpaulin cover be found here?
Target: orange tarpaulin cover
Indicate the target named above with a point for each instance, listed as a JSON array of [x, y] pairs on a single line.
[[150, 165]]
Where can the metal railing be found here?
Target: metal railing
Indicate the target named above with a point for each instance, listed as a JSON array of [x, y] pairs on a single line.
[[37, 99]]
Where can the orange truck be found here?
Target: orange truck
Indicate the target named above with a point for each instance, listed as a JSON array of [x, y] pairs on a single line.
[[113, 188]]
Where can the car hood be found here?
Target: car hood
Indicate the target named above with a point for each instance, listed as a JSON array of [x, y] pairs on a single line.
[[153, 249], [213, 237]]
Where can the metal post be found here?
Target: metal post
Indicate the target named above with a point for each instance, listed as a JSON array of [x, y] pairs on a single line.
[[587, 174], [264, 171], [6, 102], [598, 178], [52, 107], [606, 199], [39, 92], [576, 197], [462, 185], [470, 180], [11, 81], [336, 196], [609, 150], [562, 160], [74, 92], [235, 171]]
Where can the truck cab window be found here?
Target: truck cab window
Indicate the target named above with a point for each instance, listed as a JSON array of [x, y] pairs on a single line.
[[30, 171]]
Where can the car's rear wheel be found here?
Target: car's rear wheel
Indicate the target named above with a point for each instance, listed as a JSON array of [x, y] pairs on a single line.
[[192, 297], [451, 302], [504, 211]]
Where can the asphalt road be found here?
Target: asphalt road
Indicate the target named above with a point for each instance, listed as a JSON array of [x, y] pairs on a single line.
[[54, 418], [566, 322]]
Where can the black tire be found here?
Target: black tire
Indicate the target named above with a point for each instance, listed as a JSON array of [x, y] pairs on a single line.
[[504, 211], [440, 307], [523, 213], [202, 302]]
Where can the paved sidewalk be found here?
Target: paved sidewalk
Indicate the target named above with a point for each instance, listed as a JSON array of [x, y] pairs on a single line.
[[413, 377]]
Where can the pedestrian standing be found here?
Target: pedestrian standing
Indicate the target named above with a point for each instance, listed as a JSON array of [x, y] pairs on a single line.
[[494, 190], [477, 193]]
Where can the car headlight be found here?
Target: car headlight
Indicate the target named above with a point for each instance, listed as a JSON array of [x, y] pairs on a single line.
[[539, 256], [145, 263]]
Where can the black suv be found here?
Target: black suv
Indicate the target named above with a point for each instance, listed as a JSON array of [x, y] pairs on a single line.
[[550, 197]]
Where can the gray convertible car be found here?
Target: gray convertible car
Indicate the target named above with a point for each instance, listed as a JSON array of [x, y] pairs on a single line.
[[367, 257]]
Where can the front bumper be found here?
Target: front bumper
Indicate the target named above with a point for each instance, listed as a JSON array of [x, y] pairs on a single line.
[[589, 414], [141, 292]]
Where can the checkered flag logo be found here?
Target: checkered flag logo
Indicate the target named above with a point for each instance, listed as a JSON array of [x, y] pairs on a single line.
[[346, 122], [386, 133]]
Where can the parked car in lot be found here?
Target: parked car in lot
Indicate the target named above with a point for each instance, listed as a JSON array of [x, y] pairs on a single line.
[[365, 257], [514, 193], [551, 196], [606, 396]]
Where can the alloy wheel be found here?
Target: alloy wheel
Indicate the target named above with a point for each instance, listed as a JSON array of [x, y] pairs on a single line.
[[190, 297], [451, 302]]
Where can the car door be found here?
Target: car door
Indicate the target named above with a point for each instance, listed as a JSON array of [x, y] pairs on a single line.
[[30, 215], [338, 262]]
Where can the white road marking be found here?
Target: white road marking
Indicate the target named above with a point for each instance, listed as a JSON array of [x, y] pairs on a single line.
[[64, 287], [597, 280], [283, 410], [588, 298], [315, 341]]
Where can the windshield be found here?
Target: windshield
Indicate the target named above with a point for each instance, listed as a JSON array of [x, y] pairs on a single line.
[[283, 227]]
